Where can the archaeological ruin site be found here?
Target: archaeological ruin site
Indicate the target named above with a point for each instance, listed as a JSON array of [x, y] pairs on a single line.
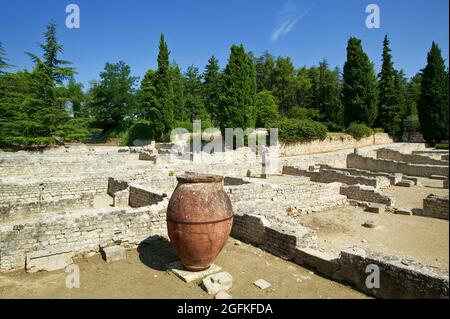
[[314, 228]]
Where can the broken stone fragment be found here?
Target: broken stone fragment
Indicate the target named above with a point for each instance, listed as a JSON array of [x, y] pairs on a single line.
[[114, 253], [47, 260], [262, 284], [221, 281]]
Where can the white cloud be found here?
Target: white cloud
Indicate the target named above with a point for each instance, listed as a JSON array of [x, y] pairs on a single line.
[[288, 18]]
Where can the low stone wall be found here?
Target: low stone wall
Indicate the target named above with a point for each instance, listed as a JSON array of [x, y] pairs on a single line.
[[399, 279], [140, 196], [24, 190], [388, 166], [330, 175], [382, 177], [27, 209], [279, 240], [393, 155], [116, 185], [332, 143], [79, 232], [435, 207], [366, 194]]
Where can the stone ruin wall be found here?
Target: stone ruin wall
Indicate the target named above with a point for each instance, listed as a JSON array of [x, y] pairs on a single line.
[[389, 166], [393, 155], [78, 232], [436, 207]]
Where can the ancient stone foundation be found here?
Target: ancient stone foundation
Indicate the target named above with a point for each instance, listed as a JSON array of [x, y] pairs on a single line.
[[436, 207]]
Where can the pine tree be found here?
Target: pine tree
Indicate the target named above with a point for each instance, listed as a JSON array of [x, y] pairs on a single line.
[[179, 102], [433, 102], [325, 93], [3, 61], [237, 102], [265, 66], [284, 84], [193, 95], [212, 87], [390, 106], [359, 94], [161, 113], [146, 94]]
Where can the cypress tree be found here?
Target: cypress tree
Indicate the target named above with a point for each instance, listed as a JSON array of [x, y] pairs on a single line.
[[359, 92], [3, 61], [193, 91], [161, 112], [212, 87], [390, 108], [433, 101], [237, 102]]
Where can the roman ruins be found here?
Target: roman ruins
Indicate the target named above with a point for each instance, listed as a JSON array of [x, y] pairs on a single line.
[[330, 206]]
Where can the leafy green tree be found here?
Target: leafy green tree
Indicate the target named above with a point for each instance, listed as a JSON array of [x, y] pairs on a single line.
[[161, 112], [266, 109], [303, 86], [433, 104], [391, 103], [359, 93], [75, 96], [146, 94], [193, 95], [237, 102], [113, 97], [212, 87]]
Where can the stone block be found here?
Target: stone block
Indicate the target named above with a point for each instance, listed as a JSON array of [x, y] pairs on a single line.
[[114, 253], [47, 260], [405, 183], [323, 262], [181, 272], [402, 211], [374, 208], [221, 281], [262, 284], [223, 295]]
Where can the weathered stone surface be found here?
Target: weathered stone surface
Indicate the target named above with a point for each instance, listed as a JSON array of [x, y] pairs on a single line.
[[405, 183], [366, 194], [399, 278], [221, 281], [325, 263], [188, 276], [262, 284], [402, 211], [48, 260], [370, 224], [223, 295], [436, 207], [374, 208], [114, 253]]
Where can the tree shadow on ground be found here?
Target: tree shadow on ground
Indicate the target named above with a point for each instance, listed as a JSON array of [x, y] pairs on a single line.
[[156, 252]]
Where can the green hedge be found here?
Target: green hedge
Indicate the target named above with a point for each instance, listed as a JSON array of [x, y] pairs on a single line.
[[358, 131], [140, 130], [441, 146], [294, 130]]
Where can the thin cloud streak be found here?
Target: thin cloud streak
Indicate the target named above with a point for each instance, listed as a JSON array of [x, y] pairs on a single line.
[[289, 17]]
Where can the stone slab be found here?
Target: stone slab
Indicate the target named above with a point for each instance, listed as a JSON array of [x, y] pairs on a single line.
[[221, 281], [188, 276], [47, 260], [262, 284]]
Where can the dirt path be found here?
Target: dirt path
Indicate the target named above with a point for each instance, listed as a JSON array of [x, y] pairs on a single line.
[[143, 275], [419, 238]]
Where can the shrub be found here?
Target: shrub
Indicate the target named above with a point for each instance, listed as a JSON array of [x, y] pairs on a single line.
[[378, 130], [441, 146], [333, 127], [294, 130], [140, 130], [303, 113], [358, 131]]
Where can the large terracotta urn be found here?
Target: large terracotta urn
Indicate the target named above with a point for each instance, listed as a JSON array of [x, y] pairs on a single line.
[[199, 219]]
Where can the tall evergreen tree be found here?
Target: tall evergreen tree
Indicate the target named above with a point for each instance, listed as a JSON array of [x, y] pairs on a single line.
[[193, 95], [3, 61], [161, 113], [237, 102], [181, 113], [325, 91], [212, 87], [265, 66], [50, 62], [146, 93], [433, 102], [390, 106], [284, 84], [359, 93]]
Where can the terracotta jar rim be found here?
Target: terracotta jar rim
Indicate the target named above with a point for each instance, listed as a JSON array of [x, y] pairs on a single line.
[[199, 178]]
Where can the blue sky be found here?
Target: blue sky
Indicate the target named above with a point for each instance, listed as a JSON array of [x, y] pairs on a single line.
[[305, 30]]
